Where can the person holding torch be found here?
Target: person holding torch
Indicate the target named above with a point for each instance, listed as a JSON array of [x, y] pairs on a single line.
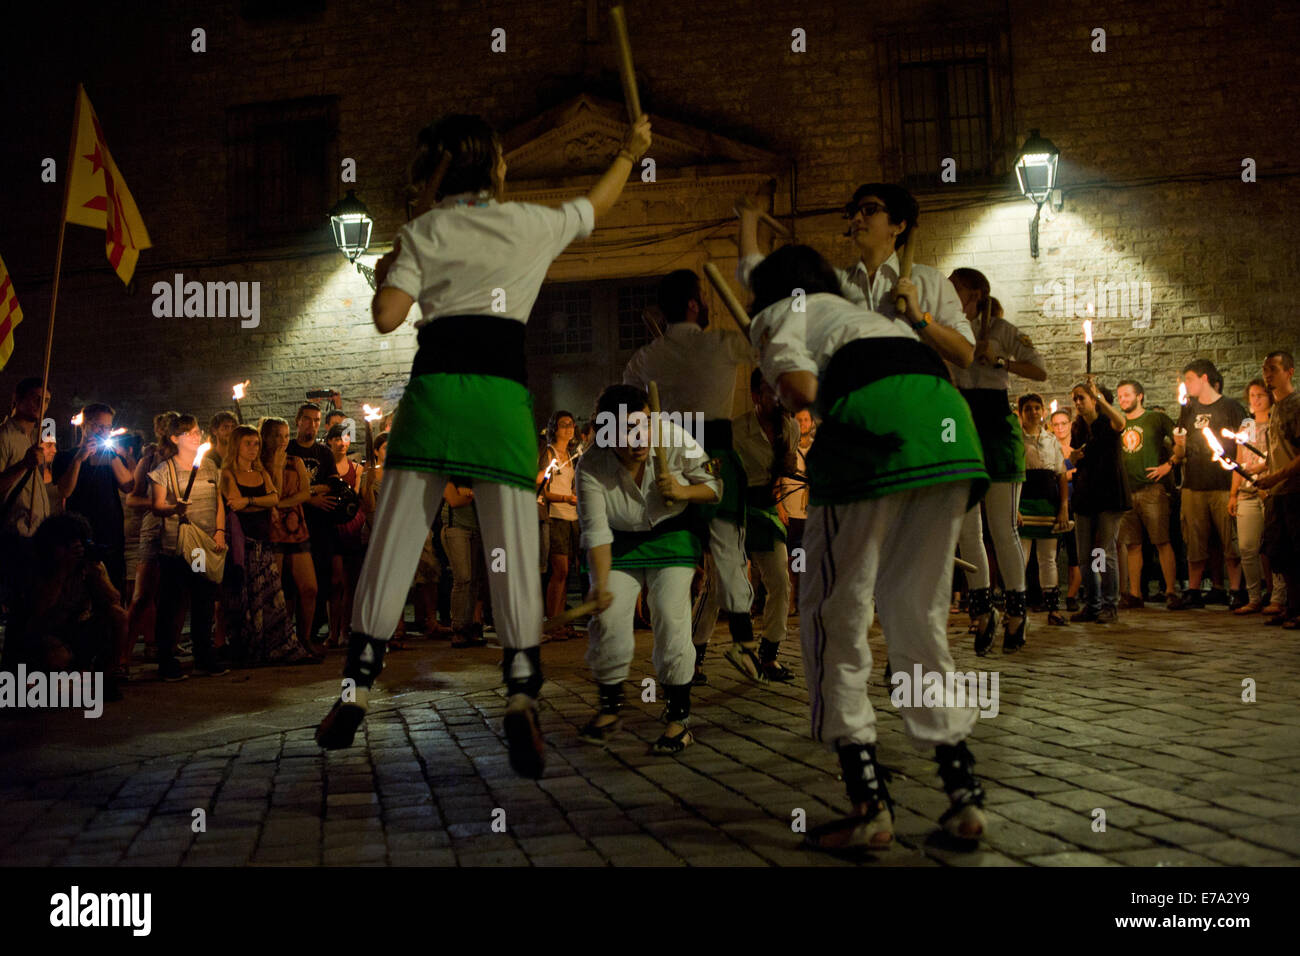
[[475, 265]]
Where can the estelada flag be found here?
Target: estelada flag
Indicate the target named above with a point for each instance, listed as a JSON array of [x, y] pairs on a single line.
[[97, 196], [10, 315]]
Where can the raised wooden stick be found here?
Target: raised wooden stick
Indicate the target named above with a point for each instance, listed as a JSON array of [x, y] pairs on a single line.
[[774, 224], [625, 70], [571, 615], [964, 565], [728, 297], [905, 270], [661, 456]]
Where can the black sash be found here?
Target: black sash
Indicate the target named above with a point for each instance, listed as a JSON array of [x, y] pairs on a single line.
[[864, 361], [472, 345]]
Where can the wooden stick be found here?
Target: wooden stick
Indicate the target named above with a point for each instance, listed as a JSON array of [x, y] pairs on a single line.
[[571, 615], [778, 227], [964, 565], [661, 456], [625, 69], [728, 297], [905, 271]]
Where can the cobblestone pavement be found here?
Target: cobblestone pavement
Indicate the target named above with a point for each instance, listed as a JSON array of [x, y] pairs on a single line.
[[1144, 720]]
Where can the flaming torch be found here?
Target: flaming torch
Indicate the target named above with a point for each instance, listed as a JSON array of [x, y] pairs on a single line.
[[239, 393], [198, 460], [1240, 439], [1054, 406], [1087, 337], [1182, 393], [1216, 453], [372, 414]]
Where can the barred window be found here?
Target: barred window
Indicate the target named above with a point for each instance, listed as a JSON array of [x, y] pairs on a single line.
[[947, 95], [633, 329], [561, 321]]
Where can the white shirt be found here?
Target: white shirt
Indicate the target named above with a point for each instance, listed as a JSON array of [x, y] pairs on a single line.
[[1043, 451], [609, 500], [694, 369], [794, 492], [936, 294], [753, 448], [469, 253], [31, 506], [1013, 344], [790, 341]]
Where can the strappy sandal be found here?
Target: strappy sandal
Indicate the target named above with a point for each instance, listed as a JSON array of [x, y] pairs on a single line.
[[873, 832], [739, 655], [671, 744]]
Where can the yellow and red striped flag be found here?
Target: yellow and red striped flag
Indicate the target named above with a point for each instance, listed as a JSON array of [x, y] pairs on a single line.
[[97, 196], [10, 315]]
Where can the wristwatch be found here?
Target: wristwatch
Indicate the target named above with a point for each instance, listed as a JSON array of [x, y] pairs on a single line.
[[925, 320]]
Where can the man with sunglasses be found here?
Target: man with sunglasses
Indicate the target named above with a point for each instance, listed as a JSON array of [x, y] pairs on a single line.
[[881, 218]]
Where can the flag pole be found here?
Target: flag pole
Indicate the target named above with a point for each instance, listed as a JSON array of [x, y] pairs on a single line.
[[58, 265]]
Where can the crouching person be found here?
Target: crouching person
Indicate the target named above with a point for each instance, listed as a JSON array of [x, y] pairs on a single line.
[[896, 465], [637, 533]]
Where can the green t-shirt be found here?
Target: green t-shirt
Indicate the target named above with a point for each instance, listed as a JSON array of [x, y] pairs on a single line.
[[1147, 441]]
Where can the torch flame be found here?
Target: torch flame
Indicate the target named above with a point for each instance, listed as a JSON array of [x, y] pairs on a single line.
[[1087, 331], [373, 414], [239, 389], [77, 419], [116, 431], [1216, 449], [203, 450], [1235, 436], [1182, 393], [1053, 406]]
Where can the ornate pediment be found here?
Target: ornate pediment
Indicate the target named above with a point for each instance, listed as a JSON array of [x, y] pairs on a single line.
[[577, 140]]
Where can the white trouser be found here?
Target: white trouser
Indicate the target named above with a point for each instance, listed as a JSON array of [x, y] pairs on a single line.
[[726, 585], [1045, 548], [1001, 504], [507, 518], [899, 547], [773, 570], [668, 599], [1250, 528]]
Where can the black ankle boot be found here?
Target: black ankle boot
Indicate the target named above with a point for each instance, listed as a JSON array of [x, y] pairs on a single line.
[[1052, 605], [963, 818], [530, 685], [364, 662], [701, 678], [981, 605], [772, 669], [611, 704], [678, 711], [1012, 641], [863, 778]]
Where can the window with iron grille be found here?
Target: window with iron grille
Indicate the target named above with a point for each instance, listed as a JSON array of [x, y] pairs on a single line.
[[633, 329], [561, 321], [947, 96], [280, 171]]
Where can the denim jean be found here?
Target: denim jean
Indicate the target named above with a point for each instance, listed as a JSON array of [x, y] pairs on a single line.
[[1099, 589]]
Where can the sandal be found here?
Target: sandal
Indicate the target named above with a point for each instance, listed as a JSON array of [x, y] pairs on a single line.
[[742, 658], [874, 831], [670, 744], [777, 673]]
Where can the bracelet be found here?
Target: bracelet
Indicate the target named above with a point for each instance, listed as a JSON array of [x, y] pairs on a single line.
[[925, 320], [626, 153]]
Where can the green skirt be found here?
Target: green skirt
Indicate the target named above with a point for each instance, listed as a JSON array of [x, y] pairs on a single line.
[[672, 543], [476, 426], [1000, 433], [894, 434]]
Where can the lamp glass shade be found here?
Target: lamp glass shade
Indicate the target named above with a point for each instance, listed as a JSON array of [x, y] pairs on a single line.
[[351, 223], [1036, 167]]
